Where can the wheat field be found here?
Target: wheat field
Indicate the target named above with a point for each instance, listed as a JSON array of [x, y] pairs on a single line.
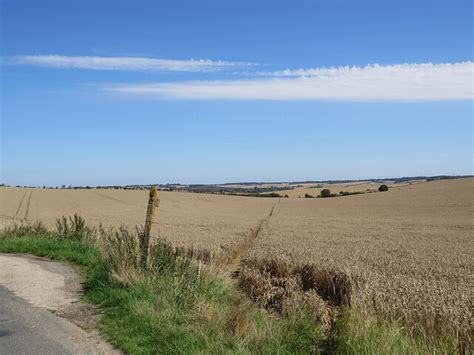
[[406, 253], [186, 219], [409, 250]]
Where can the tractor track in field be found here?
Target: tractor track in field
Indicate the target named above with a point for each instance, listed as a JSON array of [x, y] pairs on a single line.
[[20, 204], [231, 260], [28, 205], [117, 199]]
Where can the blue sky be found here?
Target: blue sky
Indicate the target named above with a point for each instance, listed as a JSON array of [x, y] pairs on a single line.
[[123, 92]]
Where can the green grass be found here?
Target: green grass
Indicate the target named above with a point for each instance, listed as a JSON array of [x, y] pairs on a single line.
[[63, 250], [177, 310], [361, 333]]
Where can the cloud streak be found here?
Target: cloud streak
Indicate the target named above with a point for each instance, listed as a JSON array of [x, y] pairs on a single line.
[[403, 82], [143, 64]]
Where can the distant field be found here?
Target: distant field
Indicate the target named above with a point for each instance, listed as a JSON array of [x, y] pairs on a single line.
[[199, 220], [363, 186], [407, 252]]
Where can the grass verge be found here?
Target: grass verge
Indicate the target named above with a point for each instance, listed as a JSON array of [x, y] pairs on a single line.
[[177, 308]]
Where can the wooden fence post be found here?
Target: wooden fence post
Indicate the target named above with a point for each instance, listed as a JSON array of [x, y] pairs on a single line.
[[150, 212]]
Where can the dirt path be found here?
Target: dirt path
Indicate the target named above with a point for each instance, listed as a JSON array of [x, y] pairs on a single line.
[[41, 311]]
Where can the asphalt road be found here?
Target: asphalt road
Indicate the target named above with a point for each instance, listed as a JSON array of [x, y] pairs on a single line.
[[27, 327]]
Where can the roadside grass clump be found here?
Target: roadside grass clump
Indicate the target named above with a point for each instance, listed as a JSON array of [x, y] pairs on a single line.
[[74, 228], [36, 229], [155, 299], [66, 228], [357, 331]]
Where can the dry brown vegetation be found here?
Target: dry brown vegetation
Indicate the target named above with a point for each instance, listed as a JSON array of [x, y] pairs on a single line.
[[406, 253]]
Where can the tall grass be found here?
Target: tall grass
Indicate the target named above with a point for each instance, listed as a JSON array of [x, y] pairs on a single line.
[[66, 228], [74, 228], [360, 332]]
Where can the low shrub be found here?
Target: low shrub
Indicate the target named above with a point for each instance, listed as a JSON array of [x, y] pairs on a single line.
[[383, 188]]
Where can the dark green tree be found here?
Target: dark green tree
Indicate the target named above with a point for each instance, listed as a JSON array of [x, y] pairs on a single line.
[[325, 193]]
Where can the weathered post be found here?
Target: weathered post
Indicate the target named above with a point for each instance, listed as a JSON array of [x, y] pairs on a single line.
[[150, 212]]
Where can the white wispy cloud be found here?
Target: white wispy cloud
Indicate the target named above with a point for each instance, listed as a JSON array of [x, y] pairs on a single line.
[[373, 70], [403, 82], [145, 64]]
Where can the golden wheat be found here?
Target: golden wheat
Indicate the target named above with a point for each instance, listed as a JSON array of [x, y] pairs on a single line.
[[409, 252]]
